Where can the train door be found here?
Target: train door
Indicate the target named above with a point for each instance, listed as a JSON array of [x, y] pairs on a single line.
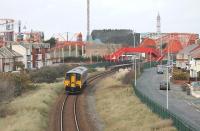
[[73, 80]]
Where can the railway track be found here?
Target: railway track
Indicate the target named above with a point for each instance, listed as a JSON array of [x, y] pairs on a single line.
[[69, 120]]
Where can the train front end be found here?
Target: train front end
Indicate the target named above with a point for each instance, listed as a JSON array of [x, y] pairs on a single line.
[[72, 83]]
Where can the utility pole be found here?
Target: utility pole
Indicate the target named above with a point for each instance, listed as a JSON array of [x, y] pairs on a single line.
[[168, 80], [135, 66], [88, 20], [150, 59], [67, 36], [63, 55], [158, 26]]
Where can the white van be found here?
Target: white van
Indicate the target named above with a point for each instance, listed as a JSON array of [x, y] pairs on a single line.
[[160, 69]]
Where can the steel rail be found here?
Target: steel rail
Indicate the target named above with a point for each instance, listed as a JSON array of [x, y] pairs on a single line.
[[75, 103]]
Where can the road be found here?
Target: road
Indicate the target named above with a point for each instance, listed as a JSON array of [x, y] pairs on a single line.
[[184, 106]]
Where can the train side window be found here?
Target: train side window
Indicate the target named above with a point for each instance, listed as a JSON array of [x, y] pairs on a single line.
[[67, 76], [78, 77]]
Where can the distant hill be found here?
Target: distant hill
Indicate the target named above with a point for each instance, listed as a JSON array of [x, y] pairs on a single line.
[[121, 36]]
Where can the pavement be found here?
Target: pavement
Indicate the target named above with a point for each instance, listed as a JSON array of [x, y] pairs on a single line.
[[185, 106]]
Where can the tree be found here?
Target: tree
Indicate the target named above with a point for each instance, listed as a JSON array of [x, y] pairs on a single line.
[[51, 41], [18, 64]]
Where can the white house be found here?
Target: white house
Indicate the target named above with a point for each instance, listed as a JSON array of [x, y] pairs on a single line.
[[182, 58], [26, 53], [35, 55], [195, 62]]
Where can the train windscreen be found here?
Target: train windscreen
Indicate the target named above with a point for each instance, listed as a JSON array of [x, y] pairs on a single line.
[[78, 77], [67, 76]]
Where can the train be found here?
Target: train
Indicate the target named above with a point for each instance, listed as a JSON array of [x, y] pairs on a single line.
[[76, 80]]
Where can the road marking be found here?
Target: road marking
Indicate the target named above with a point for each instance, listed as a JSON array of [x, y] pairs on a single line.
[[193, 104], [188, 102], [198, 110]]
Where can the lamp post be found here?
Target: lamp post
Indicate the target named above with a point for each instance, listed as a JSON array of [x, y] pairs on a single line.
[[135, 66], [161, 51], [168, 66], [63, 55], [150, 59]]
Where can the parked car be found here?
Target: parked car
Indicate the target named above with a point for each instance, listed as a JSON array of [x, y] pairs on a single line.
[[163, 85], [160, 69]]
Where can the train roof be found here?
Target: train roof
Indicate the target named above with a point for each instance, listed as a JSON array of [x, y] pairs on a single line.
[[79, 70]]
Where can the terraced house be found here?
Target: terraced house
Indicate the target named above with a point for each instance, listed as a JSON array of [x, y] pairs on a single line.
[[195, 62], [8, 59], [35, 55], [182, 58]]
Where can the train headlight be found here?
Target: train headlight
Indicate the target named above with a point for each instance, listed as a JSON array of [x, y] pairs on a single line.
[[66, 83]]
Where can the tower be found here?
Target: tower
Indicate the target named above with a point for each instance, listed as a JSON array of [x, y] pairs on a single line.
[[19, 26], [88, 19], [158, 24]]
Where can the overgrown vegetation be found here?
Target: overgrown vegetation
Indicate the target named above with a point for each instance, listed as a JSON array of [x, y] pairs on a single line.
[[29, 112], [90, 70], [178, 74], [13, 84], [51, 41], [48, 74], [128, 78], [121, 110], [45, 74], [84, 59]]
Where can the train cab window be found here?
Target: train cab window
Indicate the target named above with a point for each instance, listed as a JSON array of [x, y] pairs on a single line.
[[78, 77], [67, 76]]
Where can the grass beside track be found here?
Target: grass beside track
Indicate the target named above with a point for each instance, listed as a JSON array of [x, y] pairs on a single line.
[[121, 110], [29, 112]]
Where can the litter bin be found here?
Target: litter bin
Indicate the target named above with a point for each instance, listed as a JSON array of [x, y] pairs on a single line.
[[188, 91], [184, 87]]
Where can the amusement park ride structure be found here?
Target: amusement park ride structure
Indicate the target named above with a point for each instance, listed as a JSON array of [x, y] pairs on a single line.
[[9, 34], [6, 30], [173, 42]]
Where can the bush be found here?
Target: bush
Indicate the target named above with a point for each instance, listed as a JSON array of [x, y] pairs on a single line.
[[84, 59], [76, 59], [49, 74], [90, 70], [62, 69], [180, 75], [45, 74], [22, 82], [128, 79], [7, 89], [13, 84]]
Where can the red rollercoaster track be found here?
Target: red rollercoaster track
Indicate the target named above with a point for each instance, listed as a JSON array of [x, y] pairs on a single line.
[[115, 56]]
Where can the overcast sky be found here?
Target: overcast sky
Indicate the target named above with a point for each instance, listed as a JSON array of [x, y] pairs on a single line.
[[60, 16]]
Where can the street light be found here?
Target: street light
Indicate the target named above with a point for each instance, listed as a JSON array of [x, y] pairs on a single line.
[[150, 59], [63, 55], [168, 66], [135, 66], [161, 50]]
